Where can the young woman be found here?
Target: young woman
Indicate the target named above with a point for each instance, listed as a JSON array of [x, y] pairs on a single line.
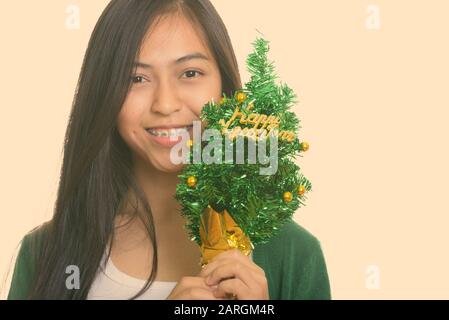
[[149, 68]]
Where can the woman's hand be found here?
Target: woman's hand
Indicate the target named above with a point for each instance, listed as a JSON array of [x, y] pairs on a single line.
[[234, 273], [192, 288]]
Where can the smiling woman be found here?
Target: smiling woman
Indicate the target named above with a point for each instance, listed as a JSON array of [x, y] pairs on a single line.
[[149, 68]]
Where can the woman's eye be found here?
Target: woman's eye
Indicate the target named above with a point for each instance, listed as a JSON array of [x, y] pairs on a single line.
[[138, 79], [191, 73]]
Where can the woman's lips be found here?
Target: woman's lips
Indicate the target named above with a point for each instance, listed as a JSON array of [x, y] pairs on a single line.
[[168, 137]]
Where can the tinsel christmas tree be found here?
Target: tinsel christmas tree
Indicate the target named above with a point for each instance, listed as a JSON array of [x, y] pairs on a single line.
[[232, 205]]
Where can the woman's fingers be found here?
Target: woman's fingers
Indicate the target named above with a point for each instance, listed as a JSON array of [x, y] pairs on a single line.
[[233, 256], [192, 288], [233, 287], [231, 270], [234, 273], [193, 282]]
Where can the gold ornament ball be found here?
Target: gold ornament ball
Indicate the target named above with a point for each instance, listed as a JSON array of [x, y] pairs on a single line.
[[241, 97], [301, 190], [189, 143], [288, 196], [222, 100], [191, 181], [304, 146]]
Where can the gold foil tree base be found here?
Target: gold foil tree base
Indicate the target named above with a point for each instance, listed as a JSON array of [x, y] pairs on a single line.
[[218, 233]]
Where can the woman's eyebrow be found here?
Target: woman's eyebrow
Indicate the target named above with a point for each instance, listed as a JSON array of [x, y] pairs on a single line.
[[191, 56]]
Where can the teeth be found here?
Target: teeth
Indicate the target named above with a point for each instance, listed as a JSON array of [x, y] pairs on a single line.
[[172, 133]]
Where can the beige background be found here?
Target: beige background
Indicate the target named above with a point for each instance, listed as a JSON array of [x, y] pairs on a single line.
[[373, 104]]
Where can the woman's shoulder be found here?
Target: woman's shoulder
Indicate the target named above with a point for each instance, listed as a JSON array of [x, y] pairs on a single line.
[[38, 233], [294, 264], [293, 237], [32, 241], [292, 242], [25, 262]]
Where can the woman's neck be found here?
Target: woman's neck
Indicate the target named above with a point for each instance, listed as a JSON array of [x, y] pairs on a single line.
[[160, 189]]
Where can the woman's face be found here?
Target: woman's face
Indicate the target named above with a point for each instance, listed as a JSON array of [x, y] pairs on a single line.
[[175, 76]]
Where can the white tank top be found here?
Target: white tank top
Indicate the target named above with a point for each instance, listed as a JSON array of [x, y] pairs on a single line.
[[112, 284]]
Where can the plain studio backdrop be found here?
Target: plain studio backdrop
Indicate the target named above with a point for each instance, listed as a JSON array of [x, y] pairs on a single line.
[[372, 78]]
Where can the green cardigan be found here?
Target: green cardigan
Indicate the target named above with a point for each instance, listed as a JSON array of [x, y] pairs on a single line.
[[292, 260]]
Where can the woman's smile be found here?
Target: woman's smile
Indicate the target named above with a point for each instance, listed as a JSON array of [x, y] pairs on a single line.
[[169, 136]]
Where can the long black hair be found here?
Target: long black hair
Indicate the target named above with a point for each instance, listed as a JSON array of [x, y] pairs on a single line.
[[97, 169]]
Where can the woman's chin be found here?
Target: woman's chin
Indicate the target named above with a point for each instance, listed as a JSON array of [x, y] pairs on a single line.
[[173, 169], [167, 166]]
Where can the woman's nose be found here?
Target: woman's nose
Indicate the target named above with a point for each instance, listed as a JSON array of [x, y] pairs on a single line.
[[166, 99]]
